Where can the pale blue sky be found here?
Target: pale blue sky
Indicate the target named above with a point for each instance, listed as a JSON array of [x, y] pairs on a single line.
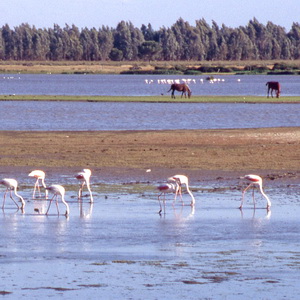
[[159, 13]]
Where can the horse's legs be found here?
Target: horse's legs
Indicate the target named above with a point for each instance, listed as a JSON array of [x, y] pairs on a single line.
[[272, 93], [173, 94]]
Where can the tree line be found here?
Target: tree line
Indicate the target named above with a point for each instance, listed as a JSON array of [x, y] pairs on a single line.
[[181, 41]]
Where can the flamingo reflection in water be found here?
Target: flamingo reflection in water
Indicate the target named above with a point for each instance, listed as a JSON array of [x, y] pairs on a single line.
[[11, 186], [255, 180]]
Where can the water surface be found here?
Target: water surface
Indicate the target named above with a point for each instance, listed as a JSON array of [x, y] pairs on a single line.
[[122, 248], [74, 116], [135, 85]]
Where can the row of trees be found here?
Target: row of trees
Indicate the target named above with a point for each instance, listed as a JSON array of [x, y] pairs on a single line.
[[181, 41]]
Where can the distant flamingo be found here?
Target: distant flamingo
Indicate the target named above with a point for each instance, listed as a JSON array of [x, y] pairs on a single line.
[[255, 179], [56, 190], [39, 175], [182, 179], [84, 177], [11, 185], [170, 187]]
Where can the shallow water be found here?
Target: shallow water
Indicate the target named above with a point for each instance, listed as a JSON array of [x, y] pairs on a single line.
[[121, 247], [74, 116], [134, 85]]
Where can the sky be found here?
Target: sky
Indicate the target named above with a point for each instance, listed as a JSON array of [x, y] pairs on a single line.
[[159, 13]]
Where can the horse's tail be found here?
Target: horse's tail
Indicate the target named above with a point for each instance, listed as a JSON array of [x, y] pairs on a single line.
[[171, 88]]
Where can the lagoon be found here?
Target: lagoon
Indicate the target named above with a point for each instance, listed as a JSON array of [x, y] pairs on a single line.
[[135, 85]]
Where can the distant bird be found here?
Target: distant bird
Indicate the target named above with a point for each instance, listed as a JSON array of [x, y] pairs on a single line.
[[255, 180], [84, 177], [170, 187], [39, 175], [56, 190], [182, 179], [11, 185]]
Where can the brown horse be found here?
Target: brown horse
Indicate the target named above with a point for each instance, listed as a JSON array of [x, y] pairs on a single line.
[[273, 85], [180, 87]]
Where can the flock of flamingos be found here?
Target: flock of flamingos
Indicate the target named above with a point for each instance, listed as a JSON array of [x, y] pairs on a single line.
[[173, 185]]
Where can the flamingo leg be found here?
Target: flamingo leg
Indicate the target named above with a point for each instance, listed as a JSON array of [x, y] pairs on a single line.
[[164, 203], [4, 199], [34, 188], [160, 203], [253, 197], [11, 197], [80, 190], [178, 192], [50, 204], [45, 187], [91, 195], [38, 187], [243, 195], [56, 203]]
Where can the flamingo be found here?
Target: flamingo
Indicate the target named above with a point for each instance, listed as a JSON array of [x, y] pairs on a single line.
[[11, 185], [84, 177], [56, 190], [170, 187], [255, 179], [182, 179], [39, 175]]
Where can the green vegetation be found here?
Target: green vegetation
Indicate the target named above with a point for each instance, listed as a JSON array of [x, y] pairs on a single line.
[[153, 99], [181, 42], [156, 67]]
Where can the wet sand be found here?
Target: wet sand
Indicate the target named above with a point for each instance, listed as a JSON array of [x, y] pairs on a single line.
[[128, 154]]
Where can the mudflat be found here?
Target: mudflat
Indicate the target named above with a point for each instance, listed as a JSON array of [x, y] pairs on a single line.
[[131, 153]]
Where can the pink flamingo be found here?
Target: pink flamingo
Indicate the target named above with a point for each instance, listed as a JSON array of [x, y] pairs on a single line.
[[11, 185], [56, 190], [38, 175], [84, 177], [182, 179], [255, 180], [170, 187]]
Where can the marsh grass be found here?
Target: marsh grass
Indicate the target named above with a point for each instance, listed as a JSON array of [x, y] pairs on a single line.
[[115, 67], [153, 99]]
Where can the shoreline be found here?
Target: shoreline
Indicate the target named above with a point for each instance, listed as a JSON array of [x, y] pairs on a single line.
[[127, 155], [155, 99]]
